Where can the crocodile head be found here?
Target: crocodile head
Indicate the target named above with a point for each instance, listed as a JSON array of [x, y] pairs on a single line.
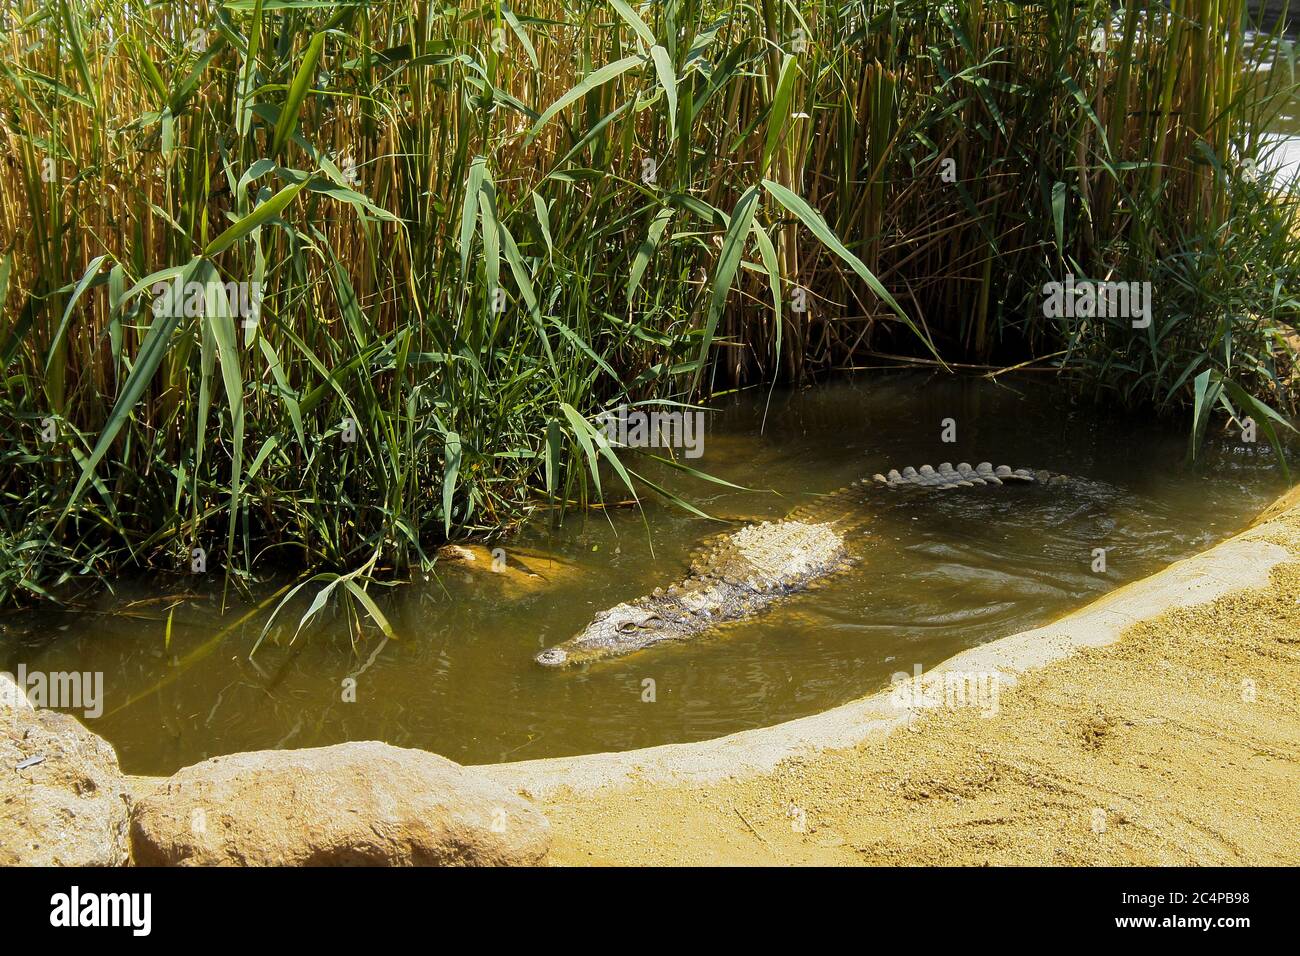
[[620, 630]]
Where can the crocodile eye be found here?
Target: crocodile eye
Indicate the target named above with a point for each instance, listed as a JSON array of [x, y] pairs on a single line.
[[626, 626]]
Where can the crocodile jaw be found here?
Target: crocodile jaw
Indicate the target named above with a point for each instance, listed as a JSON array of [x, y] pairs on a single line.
[[633, 626]]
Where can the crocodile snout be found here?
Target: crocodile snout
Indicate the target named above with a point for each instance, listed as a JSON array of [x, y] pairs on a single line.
[[552, 657]]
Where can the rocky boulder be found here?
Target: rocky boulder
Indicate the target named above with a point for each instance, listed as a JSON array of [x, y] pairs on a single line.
[[63, 800], [353, 804]]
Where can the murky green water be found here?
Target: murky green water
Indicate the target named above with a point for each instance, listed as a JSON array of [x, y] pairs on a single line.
[[942, 574]]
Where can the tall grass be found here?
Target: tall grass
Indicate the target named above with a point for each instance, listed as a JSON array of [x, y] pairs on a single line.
[[472, 225]]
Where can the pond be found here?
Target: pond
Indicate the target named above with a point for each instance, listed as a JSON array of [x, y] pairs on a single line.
[[941, 572]]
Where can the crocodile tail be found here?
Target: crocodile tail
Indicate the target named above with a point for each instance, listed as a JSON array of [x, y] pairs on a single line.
[[845, 507], [962, 476]]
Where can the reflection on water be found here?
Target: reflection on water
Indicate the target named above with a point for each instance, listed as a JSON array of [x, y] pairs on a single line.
[[1280, 149], [940, 574]]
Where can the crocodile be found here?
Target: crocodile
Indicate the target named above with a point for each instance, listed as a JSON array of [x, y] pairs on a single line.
[[739, 574]]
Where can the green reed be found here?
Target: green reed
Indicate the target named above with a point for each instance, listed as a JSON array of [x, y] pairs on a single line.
[[473, 225]]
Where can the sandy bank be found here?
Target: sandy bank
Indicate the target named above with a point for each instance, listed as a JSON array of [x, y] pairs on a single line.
[[1160, 725]]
